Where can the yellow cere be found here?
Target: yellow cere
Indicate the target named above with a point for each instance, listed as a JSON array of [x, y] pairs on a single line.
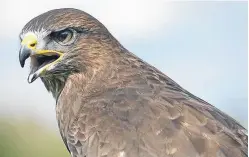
[[30, 40]]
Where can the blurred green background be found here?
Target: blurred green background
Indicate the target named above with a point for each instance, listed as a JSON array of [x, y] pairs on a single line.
[[25, 138]]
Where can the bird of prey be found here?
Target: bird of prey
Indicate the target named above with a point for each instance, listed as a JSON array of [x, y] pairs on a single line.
[[110, 103]]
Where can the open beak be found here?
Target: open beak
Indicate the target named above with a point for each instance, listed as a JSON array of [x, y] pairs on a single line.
[[41, 60]]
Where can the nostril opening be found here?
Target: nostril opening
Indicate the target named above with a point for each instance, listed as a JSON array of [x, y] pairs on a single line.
[[32, 45]]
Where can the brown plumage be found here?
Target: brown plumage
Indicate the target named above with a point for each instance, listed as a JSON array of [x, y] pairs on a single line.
[[110, 103]]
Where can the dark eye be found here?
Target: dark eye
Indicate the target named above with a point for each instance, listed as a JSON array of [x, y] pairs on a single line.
[[64, 37]]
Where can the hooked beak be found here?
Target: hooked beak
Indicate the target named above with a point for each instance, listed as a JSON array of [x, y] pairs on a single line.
[[41, 60], [24, 53]]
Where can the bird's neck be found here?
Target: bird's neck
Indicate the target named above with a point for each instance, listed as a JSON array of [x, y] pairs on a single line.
[[56, 84]]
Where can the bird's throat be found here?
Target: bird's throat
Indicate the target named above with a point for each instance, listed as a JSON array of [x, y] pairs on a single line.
[[54, 84]]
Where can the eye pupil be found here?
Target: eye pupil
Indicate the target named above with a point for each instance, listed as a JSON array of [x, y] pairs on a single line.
[[63, 36]]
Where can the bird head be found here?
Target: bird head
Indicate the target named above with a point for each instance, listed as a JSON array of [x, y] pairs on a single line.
[[64, 41]]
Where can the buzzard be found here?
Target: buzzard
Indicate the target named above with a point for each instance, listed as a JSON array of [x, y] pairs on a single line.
[[110, 103]]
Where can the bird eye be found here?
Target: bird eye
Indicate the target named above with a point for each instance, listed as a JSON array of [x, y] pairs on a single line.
[[64, 37]]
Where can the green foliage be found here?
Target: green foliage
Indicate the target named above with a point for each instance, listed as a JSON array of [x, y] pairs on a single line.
[[26, 139]]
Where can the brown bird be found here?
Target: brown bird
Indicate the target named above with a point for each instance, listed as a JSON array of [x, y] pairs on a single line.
[[110, 103]]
